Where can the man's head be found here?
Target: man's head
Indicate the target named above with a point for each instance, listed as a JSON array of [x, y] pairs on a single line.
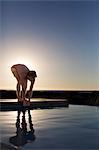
[[31, 75]]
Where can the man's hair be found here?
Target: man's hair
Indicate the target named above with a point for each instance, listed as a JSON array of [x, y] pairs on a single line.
[[32, 74]]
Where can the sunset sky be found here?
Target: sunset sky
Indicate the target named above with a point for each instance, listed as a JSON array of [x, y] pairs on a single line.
[[59, 40]]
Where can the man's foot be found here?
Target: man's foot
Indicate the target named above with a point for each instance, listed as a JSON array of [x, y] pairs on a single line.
[[20, 101], [19, 98]]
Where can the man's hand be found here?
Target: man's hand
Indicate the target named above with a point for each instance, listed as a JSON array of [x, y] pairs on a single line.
[[29, 94]]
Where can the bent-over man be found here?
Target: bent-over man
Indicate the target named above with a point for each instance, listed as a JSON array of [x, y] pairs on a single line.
[[23, 74]]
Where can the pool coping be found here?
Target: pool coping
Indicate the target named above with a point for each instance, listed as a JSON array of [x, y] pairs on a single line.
[[13, 106]]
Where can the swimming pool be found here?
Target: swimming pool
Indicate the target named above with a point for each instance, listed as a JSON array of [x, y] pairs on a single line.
[[76, 127]]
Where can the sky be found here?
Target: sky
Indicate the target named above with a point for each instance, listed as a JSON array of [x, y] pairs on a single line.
[[57, 39]]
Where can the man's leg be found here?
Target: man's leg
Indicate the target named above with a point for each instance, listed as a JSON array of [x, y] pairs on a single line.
[[23, 92], [15, 73], [18, 92]]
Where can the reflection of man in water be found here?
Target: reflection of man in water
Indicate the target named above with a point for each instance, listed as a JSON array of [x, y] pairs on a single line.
[[23, 74], [22, 135]]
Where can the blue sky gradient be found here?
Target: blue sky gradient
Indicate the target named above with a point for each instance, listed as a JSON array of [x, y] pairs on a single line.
[[59, 39]]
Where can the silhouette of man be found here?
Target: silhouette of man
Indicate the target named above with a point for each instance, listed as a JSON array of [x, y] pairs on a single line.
[[23, 74]]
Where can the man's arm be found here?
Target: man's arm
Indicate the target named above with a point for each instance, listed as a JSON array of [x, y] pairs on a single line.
[[29, 93], [31, 86]]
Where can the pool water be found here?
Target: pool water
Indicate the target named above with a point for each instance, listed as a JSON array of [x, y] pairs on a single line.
[[76, 127]]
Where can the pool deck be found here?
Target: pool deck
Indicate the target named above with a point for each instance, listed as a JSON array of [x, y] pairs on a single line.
[[13, 106]]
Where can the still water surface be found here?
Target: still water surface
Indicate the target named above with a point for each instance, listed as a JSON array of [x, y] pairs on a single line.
[[76, 127]]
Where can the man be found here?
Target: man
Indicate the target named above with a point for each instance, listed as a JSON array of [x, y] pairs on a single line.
[[23, 74]]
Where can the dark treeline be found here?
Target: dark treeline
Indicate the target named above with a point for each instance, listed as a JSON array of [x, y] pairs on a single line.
[[74, 97]]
